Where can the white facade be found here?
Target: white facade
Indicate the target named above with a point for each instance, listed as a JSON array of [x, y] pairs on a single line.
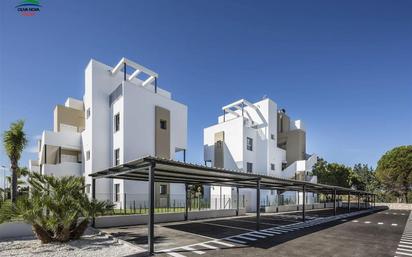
[[133, 95], [256, 124]]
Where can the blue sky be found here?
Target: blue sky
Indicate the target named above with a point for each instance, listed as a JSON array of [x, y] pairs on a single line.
[[343, 67]]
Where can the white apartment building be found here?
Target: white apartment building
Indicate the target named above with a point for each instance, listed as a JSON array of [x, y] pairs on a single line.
[[124, 115], [258, 138]]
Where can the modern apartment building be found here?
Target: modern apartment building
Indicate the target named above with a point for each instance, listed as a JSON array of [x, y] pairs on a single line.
[[124, 115], [258, 138]]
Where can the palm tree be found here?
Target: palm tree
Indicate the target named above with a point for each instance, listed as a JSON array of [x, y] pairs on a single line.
[[14, 141], [57, 208]]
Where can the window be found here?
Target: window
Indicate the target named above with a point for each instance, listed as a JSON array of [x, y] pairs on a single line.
[[116, 157], [272, 166], [272, 136], [87, 155], [116, 192], [117, 122], [163, 124], [87, 113], [249, 144], [284, 165], [249, 167], [163, 189], [88, 189]]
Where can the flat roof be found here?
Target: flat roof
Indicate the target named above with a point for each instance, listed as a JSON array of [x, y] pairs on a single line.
[[171, 171]]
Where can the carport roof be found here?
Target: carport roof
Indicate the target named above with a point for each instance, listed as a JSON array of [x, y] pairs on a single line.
[[171, 171]]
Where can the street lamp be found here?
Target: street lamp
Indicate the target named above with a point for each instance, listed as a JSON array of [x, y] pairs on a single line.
[[4, 181]]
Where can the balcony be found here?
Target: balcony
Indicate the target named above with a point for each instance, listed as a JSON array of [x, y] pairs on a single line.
[[64, 139], [62, 169]]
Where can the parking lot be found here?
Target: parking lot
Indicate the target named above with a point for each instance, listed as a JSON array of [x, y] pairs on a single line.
[[347, 234]]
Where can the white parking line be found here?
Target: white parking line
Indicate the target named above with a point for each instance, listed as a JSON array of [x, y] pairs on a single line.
[[406, 246], [235, 241], [254, 235], [394, 224], [404, 249], [223, 243], [263, 233], [188, 248], [367, 222], [175, 254], [247, 238], [403, 253], [380, 223], [207, 246]]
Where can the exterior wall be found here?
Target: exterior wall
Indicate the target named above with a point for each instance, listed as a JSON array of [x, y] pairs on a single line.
[[295, 146]]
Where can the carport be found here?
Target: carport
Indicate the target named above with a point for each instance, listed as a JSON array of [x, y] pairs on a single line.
[[154, 169]]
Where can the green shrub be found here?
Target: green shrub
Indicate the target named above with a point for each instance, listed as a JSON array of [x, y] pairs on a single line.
[[58, 209]]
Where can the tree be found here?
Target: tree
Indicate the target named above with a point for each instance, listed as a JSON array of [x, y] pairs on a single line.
[[394, 171], [364, 178], [332, 173], [57, 208], [14, 141]]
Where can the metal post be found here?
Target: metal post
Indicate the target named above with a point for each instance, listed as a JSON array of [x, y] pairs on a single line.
[[358, 201], [237, 201], [150, 234], [303, 202], [224, 115], [374, 201], [124, 203], [93, 197], [184, 155], [187, 202], [258, 205], [155, 85], [334, 202], [348, 202]]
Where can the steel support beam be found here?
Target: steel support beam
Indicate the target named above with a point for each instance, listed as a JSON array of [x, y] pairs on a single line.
[[303, 202], [258, 205], [187, 201], [334, 202], [93, 197], [150, 234], [237, 201]]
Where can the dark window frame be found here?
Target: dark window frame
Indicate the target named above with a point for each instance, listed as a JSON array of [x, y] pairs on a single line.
[[116, 122], [163, 189], [249, 144], [116, 156], [163, 124], [117, 192], [272, 166], [249, 167]]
